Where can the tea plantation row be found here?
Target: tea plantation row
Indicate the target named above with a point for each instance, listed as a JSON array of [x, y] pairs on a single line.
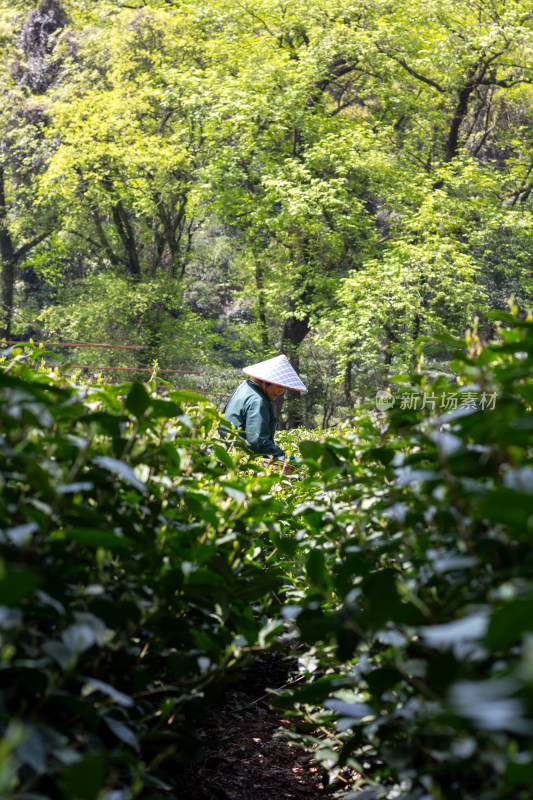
[[144, 556], [132, 576], [417, 607]]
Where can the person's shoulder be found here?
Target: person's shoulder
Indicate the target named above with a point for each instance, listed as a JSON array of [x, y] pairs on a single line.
[[237, 399], [243, 392], [254, 395], [241, 388]]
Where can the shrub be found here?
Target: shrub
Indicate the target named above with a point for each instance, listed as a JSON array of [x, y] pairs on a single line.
[[417, 598], [132, 575]]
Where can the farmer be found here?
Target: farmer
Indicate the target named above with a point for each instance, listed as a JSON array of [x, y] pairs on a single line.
[[250, 407]]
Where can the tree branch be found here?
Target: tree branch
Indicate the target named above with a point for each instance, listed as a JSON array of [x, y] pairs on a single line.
[[25, 248], [255, 16], [413, 72]]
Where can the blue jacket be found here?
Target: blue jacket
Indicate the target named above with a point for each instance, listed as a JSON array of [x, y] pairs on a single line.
[[251, 411]]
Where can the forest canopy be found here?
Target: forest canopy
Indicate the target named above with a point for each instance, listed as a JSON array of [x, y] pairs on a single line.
[[222, 181]]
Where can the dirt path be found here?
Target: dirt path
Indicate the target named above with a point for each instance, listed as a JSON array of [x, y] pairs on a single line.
[[243, 759]]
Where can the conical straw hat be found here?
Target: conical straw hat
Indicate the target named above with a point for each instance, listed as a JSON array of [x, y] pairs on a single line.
[[276, 370]]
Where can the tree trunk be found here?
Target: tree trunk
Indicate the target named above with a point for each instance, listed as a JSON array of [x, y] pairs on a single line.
[[461, 108], [127, 237], [124, 228], [108, 250], [6, 290], [261, 305], [8, 257], [173, 228], [390, 340], [294, 332], [348, 383]]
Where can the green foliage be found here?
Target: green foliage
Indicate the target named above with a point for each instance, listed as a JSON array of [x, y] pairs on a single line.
[[217, 180], [143, 557], [112, 309], [362, 173], [414, 593], [132, 575]]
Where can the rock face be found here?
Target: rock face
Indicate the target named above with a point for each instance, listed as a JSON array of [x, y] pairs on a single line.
[[37, 41]]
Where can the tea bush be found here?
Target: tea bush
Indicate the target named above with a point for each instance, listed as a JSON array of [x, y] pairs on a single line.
[[416, 604], [133, 573], [144, 555]]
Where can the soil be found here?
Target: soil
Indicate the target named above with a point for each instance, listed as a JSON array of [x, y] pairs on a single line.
[[243, 758]]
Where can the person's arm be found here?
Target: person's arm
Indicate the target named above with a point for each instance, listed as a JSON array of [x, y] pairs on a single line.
[[257, 429]]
